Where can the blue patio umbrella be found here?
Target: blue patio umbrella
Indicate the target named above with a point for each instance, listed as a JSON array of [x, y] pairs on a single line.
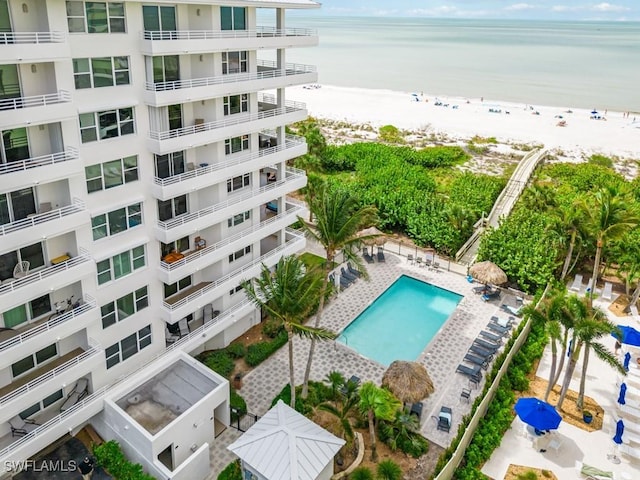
[[627, 359], [619, 431], [623, 392], [594, 111], [537, 413], [630, 336]]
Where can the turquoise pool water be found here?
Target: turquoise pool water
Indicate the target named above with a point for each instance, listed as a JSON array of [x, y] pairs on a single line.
[[400, 323]]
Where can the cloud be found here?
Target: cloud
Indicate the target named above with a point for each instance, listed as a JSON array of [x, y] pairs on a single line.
[[607, 7], [447, 11], [564, 8], [517, 7]]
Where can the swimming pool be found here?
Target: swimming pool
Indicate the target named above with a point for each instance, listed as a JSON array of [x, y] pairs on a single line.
[[400, 323]]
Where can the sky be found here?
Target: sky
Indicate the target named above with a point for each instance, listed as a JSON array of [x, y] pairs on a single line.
[[617, 10]]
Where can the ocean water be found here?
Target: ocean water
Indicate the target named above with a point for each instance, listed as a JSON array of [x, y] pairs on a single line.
[[572, 64]]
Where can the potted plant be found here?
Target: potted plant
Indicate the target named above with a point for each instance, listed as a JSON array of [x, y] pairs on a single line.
[[587, 416]]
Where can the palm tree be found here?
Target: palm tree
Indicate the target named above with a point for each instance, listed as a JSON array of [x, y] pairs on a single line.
[[568, 223], [288, 295], [342, 410], [610, 217], [377, 403], [338, 219], [577, 311], [336, 380]]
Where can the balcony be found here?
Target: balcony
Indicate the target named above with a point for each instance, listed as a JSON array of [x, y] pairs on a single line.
[[186, 224], [269, 117], [46, 224], [182, 304], [45, 168], [47, 379], [267, 77], [14, 343], [18, 291], [30, 47], [203, 41], [37, 109], [198, 259], [170, 187]]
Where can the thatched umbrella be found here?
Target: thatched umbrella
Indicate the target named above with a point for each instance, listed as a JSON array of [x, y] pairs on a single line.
[[488, 272], [409, 381]]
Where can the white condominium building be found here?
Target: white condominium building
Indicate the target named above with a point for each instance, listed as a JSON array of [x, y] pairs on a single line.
[[143, 176]]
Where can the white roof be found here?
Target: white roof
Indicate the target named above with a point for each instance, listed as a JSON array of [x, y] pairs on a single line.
[[285, 445]]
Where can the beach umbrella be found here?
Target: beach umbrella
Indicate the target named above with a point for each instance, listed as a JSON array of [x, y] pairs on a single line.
[[619, 431], [627, 359], [594, 111], [623, 392], [488, 272], [538, 414], [628, 335], [409, 381], [372, 236]]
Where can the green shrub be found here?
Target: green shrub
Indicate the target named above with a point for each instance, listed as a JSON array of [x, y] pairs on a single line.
[[272, 328], [231, 472], [110, 457], [220, 362], [361, 473], [528, 475], [259, 352], [285, 396], [390, 134], [238, 403], [546, 473], [600, 160], [318, 393], [389, 470], [236, 350]]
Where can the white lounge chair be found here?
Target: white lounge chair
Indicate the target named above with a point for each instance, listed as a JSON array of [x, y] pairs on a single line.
[[630, 451], [576, 286], [170, 337], [79, 391], [184, 327], [21, 427], [607, 291]]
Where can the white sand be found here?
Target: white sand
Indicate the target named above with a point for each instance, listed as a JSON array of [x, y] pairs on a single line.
[[614, 136]]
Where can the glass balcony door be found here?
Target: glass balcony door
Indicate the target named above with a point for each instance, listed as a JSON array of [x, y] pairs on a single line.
[[15, 145], [9, 85], [17, 205], [170, 164], [5, 19], [159, 19], [166, 69]]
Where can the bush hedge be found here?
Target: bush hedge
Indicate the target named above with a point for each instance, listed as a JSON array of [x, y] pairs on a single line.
[[109, 456], [259, 352], [238, 403], [318, 393], [231, 472], [220, 362]]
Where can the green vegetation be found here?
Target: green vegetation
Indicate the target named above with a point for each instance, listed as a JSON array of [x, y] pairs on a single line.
[[259, 352], [388, 470], [600, 160], [220, 361], [361, 473], [238, 403], [110, 457], [231, 471], [390, 134], [529, 475]]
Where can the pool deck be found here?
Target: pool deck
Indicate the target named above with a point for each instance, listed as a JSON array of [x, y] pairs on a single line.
[[440, 357]]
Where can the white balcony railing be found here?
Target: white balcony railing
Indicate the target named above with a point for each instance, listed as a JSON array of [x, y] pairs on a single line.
[[260, 32], [32, 37], [21, 165], [290, 69], [76, 206], [194, 257], [36, 101], [33, 277], [89, 303], [236, 273], [94, 349], [237, 119], [292, 174], [291, 141]]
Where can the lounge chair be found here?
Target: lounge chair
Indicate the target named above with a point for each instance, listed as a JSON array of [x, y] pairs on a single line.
[[350, 385], [444, 419], [482, 289], [607, 291], [169, 336], [183, 325], [491, 336], [427, 262], [365, 254], [465, 394], [381, 255], [482, 362], [483, 352], [436, 265], [473, 373], [517, 311], [502, 322], [349, 276], [21, 427], [487, 345], [410, 259], [353, 271], [419, 261], [416, 409], [576, 286], [494, 327], [495, 295], [77, 393], [344, 283]]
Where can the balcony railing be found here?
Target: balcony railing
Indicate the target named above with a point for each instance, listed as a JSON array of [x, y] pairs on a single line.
[[292, 174], [94, 348], [210, 286], [83, 257], [291, 141], [36, 101], [236, 119], [21, 165], [194, 257], [76, 206], [32, 37], [260, 32], [290, 69], [89, 303]]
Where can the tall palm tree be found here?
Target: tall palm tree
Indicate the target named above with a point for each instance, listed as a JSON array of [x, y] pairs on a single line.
[[610, 215], [577, 310], [288, 295], [377, 403], [338, 219], [568, 223], [342, 410]]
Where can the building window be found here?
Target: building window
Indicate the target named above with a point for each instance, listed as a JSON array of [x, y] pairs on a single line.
[[120, 265], [128, 346], [239, 254], [236, 104], [170, 164], [34, 254], [111, 174], [17, 205], [176, 287], [236, 144], [237, 183], [124, 307], [238, 219], [104, 125], [233, 291], [174, 207], [95, 17], [26, 312], [233, 18], [46, 402], [116, 221], [100, 72], [180, 245], [235, 62], [34, 360]]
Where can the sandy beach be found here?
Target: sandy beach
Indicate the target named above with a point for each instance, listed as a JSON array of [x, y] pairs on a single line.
[[615, 136]]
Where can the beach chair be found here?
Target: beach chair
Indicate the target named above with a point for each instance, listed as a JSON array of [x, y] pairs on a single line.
[[517, 311], [436, 265], [491, 336], [183, 325], [444, 419], [381, 258], [483, 352], [494, 327], [482, 362], [576, 286], [169, 336], [77, 393], [495, 295], [480, 290], [353, 271], [427, 262], [502, 322], [365, 254], [21, 427], [473, 373], [465, 394], [486, 345], [419, 261], [347, 275], [416, 410], [344, 283], [607, 291], [410, 259]]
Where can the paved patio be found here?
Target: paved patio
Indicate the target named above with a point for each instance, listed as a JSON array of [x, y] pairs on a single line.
[[440, 357]]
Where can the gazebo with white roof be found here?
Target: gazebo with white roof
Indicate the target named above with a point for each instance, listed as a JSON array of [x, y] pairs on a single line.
[[285, 445]]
